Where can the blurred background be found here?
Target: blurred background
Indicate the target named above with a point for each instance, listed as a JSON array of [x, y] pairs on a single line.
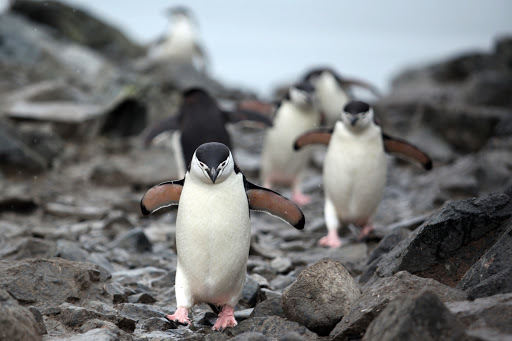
[[260, 44]]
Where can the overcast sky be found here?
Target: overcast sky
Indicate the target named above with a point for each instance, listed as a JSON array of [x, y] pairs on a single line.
[[259, 44]]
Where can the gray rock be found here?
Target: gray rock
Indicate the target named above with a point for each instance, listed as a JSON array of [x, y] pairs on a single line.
[[322, 294], [387, 243], [250, 336], [17, 249], [142, 297], [125, 118], [38, 317], [157, 323], [490, 313], [139, 311], [272, 327], [133, 240], [281, 264], [250, 292], [491, 274], [79, 26], [450, 241], [16, 322], [71, 251], [15, 156], [419, 317], [53, 281], [376, 297], [81, 211], [270, 307], [98, 334]]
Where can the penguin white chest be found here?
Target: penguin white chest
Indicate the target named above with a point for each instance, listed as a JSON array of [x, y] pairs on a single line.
[[279, 160], [354, 172], [213, 238]]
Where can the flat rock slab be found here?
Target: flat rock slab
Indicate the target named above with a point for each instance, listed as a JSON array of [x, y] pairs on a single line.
[[272, 327], [57, 111], [53, 281], [450, 241], [485, 316], [377, 296], [419, 317]]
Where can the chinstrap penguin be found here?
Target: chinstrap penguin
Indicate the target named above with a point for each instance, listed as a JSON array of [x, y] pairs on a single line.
[[181, 43], [333, 92], [280, 164], [213, 229], [355, 167], [199, 120]]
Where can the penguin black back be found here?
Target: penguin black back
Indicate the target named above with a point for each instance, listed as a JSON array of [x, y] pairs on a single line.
[[201, 121]]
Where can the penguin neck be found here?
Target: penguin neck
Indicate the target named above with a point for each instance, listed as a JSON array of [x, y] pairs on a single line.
[[182, 28], [368, 131]]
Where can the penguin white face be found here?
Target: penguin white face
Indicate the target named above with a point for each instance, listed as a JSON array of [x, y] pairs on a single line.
[[212, 163], [357, 115], [302, 94]]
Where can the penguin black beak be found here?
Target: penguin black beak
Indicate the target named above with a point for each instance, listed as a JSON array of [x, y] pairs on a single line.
[[354, 120], [212, 173]]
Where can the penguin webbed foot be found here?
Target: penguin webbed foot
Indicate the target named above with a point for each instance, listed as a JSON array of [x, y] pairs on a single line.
[[226, 319], [180, 316], [330, 240], [300, 198], [365, 231]]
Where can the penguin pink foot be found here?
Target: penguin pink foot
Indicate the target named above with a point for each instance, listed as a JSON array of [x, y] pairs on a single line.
[[300, 198], [226, 319], [331, 240], [180, 315], [365, 231]]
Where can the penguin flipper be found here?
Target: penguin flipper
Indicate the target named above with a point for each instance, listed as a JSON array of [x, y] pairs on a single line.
[[265, 200], [394, 145], [347, 83], [315, 136], [168, 123], [162, 195], [246, 115]]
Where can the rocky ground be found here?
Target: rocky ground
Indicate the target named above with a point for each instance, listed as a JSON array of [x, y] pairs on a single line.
[[78, 261]]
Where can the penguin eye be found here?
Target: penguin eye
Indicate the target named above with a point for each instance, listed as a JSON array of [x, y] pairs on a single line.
[[202, 164], [223, 164]]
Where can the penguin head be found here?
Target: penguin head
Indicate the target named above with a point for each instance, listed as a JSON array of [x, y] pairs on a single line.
[[302, 94], [179, 12], [357, 115], [212, 163]]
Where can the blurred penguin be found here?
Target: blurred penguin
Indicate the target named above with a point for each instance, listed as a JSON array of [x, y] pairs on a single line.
[[280, 164], [181, 43], [333, 92]]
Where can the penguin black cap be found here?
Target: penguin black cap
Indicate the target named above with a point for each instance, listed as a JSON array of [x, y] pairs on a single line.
[[356, 107], [305, 86], [212, 153]]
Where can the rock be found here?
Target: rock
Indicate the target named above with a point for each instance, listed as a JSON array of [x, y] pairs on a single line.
[[38, 317], [133, 240], [81, 212], [376, 297], [71, 251], [450, 241], [16, 158], [484, 316], [138, 311], [491, 274], [272, 327], [250, 336], [79, 26], [27, 248], [16, 322], [322, 294], [142, 297], [53, 281], [421, 317], [491, 88], [269, 307], [128, 117], [79, 122], [250, 292], [281, 264], [98, 334], [157, 323]]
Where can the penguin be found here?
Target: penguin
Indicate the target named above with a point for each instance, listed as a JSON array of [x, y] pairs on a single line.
[[213, 229], [198, 121], [333, 91], [280, 164], [181, 43], [355, 167]]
